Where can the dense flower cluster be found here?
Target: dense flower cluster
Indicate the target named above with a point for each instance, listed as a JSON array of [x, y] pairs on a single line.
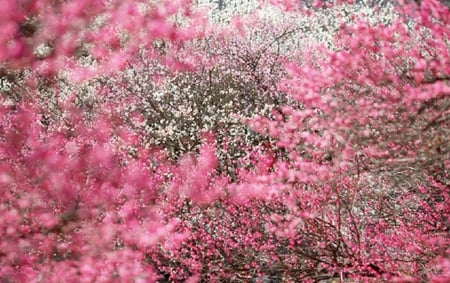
[[140, 142]]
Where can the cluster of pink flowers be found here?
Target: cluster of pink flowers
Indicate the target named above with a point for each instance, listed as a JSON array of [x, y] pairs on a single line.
[[141, 143]]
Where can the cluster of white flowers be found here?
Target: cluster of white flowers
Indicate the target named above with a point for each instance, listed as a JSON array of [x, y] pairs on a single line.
[[220, 98], [317, 28], [221, 11], [186, 104]]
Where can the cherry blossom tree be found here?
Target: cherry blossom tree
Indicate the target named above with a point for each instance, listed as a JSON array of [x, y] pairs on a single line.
[[369, 148], [118, 143], [360, 190], [75, 204]]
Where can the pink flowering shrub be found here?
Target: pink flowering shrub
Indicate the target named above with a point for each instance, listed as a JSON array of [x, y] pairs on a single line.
[[76, 206], [51, 35], [361, 189], [345, 175]]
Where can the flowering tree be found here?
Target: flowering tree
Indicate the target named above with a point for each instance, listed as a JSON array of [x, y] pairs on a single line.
[[74, 203], [345, 175], [360, 190], [366, 149]]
